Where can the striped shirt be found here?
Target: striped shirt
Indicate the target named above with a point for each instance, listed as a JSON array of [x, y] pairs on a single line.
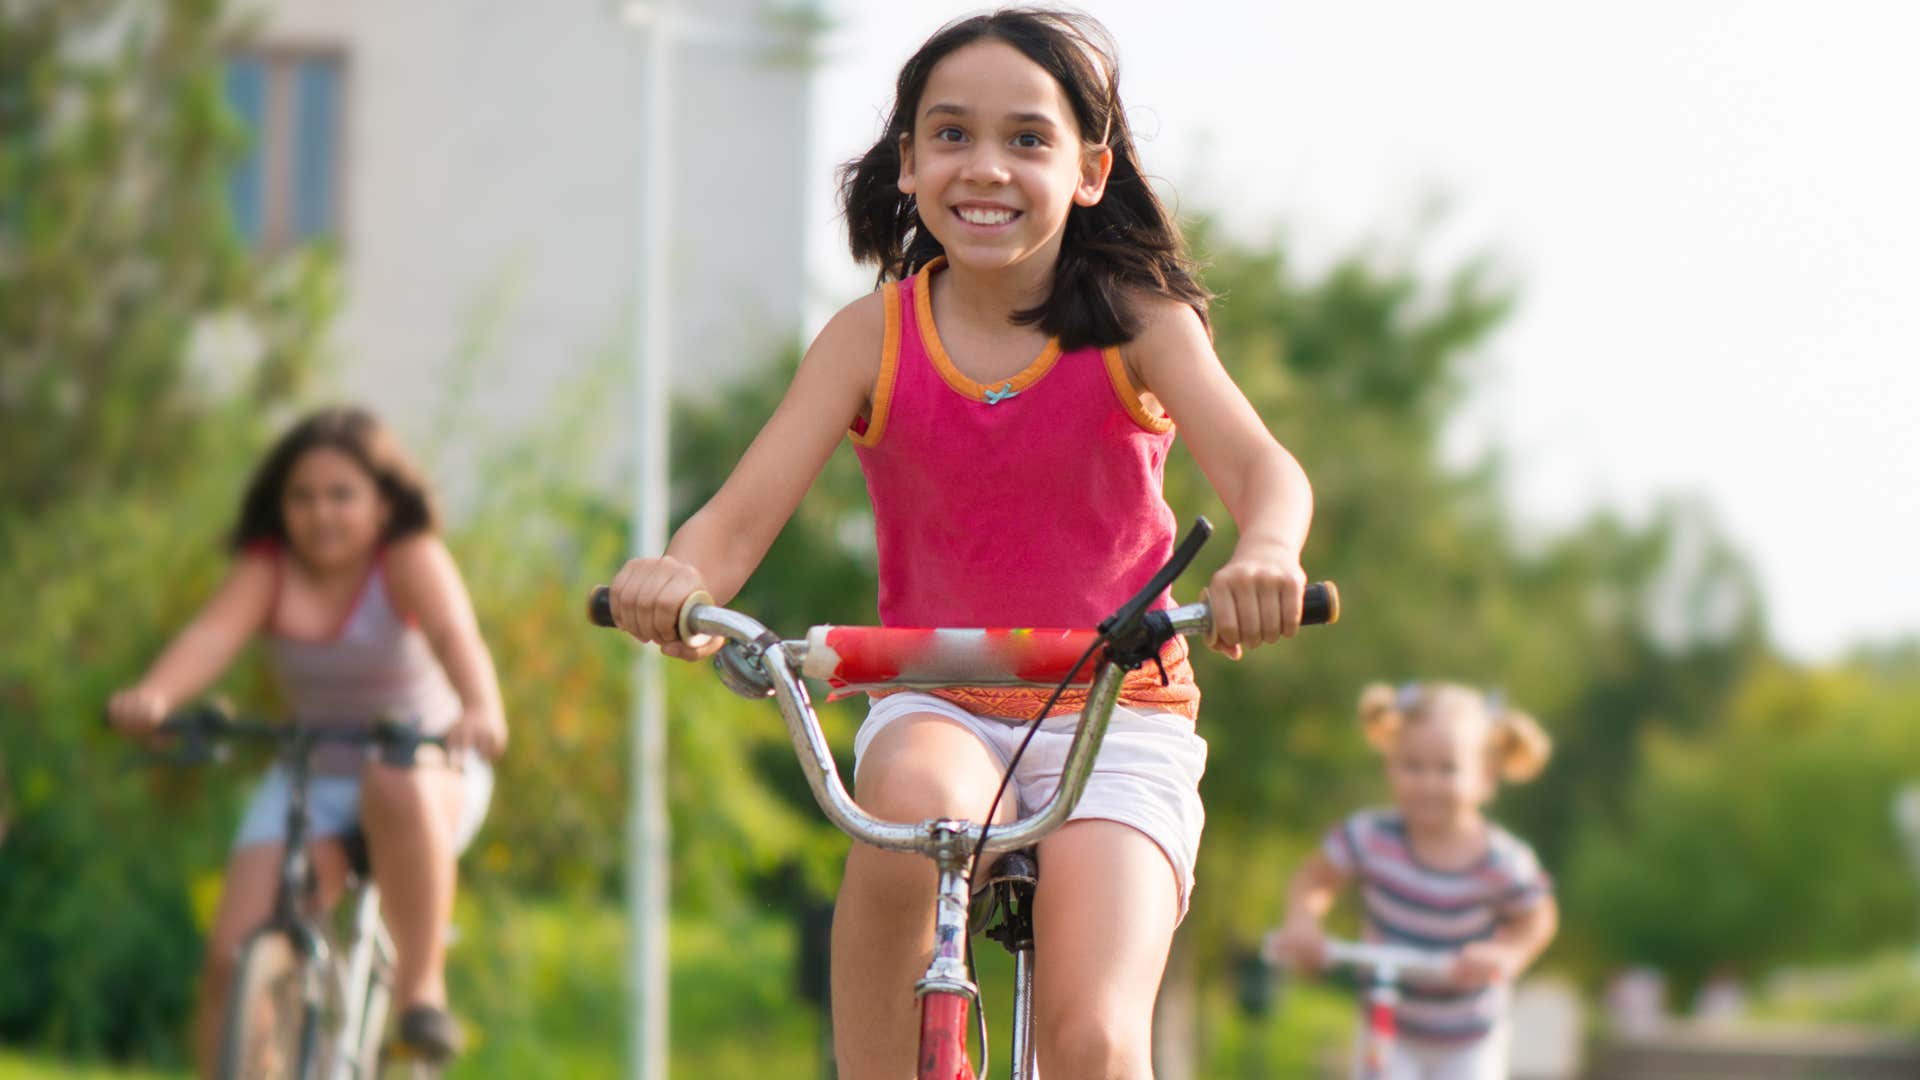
[[1408, 903]]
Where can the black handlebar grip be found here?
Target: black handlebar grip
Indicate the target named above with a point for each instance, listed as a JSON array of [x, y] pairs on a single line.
[[1321, 605], [600, 609]]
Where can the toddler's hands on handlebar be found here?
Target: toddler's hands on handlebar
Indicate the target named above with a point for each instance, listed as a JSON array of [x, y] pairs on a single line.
[[1300, 942], [1484, 962], [647, 595]]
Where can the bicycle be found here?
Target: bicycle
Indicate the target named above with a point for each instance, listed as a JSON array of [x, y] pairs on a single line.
[[756, 663], [1382, 966], [304, 1005]]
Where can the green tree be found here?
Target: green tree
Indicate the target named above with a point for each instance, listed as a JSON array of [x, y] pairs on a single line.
[[1766, 838], [120, 452]]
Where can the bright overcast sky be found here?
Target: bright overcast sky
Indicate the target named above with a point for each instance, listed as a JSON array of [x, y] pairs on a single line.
[[1712, 210]]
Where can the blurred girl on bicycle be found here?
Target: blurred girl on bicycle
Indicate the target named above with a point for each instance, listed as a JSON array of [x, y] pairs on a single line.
[[338, 570], [1011, 390], [1434, 873]]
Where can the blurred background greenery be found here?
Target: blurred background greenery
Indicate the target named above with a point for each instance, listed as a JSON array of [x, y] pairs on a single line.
[[1713, 806]]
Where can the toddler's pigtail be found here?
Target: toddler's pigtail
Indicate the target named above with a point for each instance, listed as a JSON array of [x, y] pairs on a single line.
[[1381, 717], [1520, 746]]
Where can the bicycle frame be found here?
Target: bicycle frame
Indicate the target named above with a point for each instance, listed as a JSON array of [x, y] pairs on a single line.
[[757, 664], [359, 980]]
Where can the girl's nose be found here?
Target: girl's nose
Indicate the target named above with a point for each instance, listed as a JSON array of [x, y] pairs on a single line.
[[984, 166]]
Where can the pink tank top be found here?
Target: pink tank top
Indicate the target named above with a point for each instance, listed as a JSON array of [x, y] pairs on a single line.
[[1035, 502], [375, 665]]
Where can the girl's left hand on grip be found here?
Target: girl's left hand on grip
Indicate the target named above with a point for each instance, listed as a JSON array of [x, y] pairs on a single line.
[[1256, 600]]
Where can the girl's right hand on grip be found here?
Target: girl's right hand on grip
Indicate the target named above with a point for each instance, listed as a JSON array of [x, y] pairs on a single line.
[[136, 710], [646, 597]]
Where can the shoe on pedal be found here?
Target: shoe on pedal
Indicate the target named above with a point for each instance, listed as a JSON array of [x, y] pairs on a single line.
[[431, 1034]]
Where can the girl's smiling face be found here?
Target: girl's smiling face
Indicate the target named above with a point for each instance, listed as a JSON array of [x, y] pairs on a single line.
[[1440, 772], [996, 159], [333, 510]]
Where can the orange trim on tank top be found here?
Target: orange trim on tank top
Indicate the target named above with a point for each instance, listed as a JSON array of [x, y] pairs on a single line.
[[889, 368], [1129, 395], [966, 387]]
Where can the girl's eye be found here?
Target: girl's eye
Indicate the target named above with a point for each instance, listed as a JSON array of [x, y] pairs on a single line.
[[949, 134], [1027, 140]]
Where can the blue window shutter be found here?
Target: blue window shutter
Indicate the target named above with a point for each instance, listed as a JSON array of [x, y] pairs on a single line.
[[247, 95], [316, 151]]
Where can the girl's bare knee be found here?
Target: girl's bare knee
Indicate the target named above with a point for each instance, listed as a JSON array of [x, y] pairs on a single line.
[[1095, 1043], [915, 788]]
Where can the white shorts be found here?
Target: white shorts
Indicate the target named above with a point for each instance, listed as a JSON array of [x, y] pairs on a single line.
[[1147, 774], [333, 806]]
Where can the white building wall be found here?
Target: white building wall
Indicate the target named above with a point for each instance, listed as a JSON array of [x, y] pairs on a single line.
[[491, 161]]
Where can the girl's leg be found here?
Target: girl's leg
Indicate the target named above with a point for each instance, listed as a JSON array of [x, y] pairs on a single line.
[[920, 766], [410, 816], [246, 900], [1104, 917]]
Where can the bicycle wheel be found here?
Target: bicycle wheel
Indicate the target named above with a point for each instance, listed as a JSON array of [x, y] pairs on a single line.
[[270, 1031]]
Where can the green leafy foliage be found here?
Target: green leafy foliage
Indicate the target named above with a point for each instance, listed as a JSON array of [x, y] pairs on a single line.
[[122, 445], [1767, 839]]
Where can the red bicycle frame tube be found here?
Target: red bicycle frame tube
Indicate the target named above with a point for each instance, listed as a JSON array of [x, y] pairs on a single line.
[[1381, 1033], [943, 1037]]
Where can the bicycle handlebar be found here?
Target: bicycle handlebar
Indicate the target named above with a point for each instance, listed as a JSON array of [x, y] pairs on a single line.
[[197, 726], [1320, 606], [1388, 961], [757, 663]]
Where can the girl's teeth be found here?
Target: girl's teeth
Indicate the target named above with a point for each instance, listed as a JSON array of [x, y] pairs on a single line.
[[986, 217]]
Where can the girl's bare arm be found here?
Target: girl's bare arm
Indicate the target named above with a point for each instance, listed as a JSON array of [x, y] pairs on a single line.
[[1529, 933], [1311, 893], [1257, 595], [721, 544], [425, 583], [203, 648]]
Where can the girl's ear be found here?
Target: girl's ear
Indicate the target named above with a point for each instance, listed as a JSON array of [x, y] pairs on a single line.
[[905, 183], [1096, 164]]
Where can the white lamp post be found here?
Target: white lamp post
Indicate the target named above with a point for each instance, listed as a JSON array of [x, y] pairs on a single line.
[[662, 25]]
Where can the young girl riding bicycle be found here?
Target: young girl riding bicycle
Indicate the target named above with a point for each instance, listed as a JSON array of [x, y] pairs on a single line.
[[1012, 390], [1434, 874], [337, 569]]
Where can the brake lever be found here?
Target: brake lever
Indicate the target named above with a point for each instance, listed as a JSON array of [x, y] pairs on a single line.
[[1127, 645]]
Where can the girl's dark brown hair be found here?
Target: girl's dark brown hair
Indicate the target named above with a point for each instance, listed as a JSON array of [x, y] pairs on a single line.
[[358, 434], [1123, 245]]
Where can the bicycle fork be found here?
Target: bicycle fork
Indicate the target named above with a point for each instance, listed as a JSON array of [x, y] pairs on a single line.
[[947, 990], [364, 992], [1382, 1030]]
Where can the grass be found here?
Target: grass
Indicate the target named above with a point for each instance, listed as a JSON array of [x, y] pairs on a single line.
[[15, 1066], [543, 994]]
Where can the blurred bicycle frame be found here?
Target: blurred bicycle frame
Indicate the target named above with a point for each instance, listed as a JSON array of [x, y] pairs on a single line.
[[303, 1004]]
